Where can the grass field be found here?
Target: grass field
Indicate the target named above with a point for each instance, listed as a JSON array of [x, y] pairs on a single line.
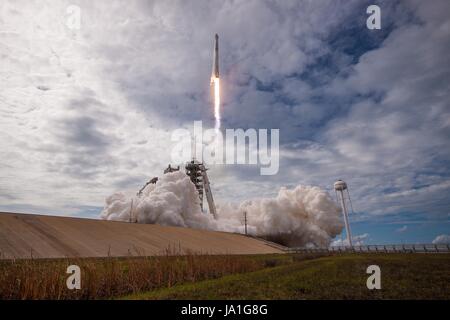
[[105, 278], [276, 276], [403, 276]]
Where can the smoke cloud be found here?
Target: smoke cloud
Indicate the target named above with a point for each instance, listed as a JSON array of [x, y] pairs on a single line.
[[302, 216]]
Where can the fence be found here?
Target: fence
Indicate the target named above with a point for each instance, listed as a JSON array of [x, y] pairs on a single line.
[[388, 248]]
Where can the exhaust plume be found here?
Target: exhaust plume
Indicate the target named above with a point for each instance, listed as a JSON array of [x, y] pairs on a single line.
[[301, 216], [216, 83]]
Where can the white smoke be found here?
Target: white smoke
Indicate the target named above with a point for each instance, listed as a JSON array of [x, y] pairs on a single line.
[[172, 201], [298, 217]]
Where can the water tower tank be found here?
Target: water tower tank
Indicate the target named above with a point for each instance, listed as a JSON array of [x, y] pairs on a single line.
[[340, 185]]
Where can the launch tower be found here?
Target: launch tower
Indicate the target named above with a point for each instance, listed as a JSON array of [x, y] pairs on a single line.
[[197, 173]]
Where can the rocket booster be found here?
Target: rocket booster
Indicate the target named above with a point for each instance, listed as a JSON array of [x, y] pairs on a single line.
[[215, 70], [215, 83]]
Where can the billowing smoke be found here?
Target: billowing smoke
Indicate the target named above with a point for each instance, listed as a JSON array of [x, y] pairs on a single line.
[[299, 217], [172, 201]]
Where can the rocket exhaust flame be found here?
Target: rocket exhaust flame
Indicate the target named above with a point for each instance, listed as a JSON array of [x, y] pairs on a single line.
[[215, 82]]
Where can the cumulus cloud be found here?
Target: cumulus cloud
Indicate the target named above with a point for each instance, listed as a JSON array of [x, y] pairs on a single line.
[[442, 239], [357, 240], [402, 229]]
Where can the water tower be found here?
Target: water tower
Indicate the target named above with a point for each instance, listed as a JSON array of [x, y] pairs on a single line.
[[339, 187]]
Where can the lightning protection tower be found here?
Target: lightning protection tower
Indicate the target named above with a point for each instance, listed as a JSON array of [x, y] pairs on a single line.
[[339, 187]]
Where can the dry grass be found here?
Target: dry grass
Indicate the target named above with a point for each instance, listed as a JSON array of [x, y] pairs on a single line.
[[112, 277]]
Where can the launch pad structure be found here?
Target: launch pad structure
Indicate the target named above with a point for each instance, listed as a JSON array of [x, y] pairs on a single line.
[[196, 171]]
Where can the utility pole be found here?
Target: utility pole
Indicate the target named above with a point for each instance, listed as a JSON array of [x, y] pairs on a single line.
[[131, 211], [245, 221]]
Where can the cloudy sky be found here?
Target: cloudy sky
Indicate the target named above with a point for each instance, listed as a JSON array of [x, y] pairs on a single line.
[[90, 111]]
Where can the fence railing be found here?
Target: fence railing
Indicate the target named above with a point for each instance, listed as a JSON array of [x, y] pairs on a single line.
[[388, 248]]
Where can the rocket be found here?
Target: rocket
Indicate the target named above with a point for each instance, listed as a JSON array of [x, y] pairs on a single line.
[[215, 69], [215, 83]]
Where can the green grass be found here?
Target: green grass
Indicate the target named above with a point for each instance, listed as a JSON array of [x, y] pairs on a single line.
[[403, 276]]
